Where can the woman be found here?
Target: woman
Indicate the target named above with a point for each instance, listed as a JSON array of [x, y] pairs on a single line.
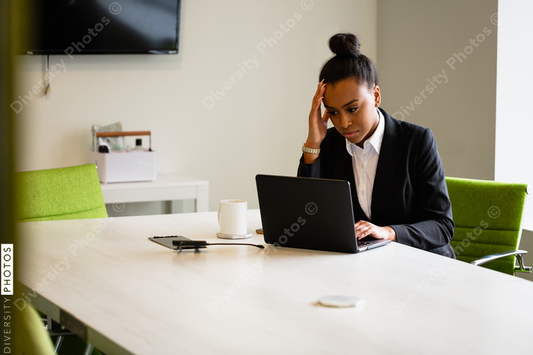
[[394, 169]]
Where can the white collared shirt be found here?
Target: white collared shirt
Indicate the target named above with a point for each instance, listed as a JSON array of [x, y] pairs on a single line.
[[365, 163]]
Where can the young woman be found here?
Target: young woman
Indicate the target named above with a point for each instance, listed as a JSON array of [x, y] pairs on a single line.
[[394, 169]]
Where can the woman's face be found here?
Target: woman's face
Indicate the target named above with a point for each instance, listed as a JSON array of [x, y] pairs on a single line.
[[352, 109]]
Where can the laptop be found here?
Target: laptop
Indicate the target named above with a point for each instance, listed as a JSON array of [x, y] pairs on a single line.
[[309, 213]]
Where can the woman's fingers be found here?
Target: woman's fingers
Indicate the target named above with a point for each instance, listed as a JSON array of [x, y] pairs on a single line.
[[317, 121], [364, 229], [325, 117], [317, 101], [361, 231], [319, 95]]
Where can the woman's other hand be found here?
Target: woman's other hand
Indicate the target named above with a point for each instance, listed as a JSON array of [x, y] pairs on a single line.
[[364, 229]]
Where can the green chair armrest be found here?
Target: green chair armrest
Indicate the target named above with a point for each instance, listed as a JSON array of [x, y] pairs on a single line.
[[492, 257]]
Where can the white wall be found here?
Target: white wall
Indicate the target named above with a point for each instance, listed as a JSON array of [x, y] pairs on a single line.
[[418, 40], [514, 123], [257, 126]]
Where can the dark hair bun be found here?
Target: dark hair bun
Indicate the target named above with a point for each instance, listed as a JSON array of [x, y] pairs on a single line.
[[344, 45]]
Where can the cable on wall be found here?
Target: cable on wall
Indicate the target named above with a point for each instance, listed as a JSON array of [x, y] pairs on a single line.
[[48, 88]]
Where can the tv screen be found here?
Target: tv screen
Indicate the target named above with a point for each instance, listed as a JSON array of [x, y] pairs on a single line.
[[75, 27]]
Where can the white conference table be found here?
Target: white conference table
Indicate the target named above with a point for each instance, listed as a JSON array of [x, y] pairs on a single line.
[[133, 296]]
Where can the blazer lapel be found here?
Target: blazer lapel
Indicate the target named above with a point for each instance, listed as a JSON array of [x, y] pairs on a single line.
[[390, 156]]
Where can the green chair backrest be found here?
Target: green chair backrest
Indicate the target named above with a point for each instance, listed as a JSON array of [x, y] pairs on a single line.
[[58, 194], [487, 216], [30, 336]]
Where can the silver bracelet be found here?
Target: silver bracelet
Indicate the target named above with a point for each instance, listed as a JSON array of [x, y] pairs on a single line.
[[310, 150]]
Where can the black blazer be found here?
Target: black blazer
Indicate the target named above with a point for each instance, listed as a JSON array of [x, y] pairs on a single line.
[[409, 193]]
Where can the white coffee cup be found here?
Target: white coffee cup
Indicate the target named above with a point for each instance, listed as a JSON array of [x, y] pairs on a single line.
[[233, 219]]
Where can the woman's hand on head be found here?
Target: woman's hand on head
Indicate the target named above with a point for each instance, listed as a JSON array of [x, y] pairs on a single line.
[[364, 229], [318, 124]]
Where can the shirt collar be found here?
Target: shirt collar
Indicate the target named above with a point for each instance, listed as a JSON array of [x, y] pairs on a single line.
[[375, 140]]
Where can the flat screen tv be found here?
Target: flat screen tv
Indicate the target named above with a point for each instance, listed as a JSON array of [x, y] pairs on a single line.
[[75, 27]]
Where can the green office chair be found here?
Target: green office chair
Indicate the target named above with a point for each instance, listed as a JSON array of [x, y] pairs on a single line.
[[488, 218], [60, 194], [30, 336]]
